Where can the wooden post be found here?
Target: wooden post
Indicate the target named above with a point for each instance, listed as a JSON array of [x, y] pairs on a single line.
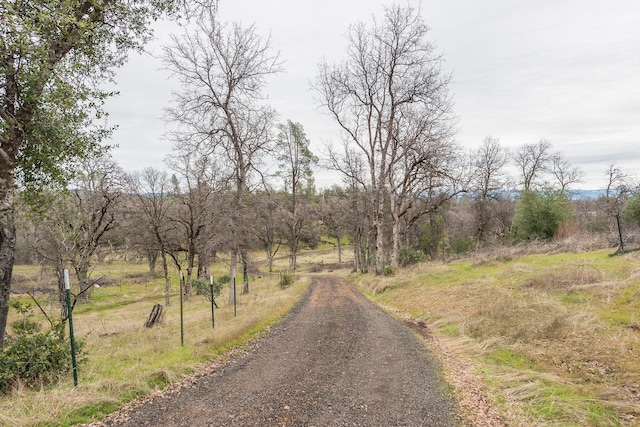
[[154, 316]]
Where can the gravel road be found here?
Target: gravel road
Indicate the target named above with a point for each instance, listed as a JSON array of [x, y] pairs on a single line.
[[336, 360]]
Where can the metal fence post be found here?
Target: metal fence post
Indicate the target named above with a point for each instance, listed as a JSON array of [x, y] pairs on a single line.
[[69, 313]]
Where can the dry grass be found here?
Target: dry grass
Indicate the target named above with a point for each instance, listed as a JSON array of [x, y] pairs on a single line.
[[556, 336], [125, 359]]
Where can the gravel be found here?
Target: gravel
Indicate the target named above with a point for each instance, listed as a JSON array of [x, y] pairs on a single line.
[[336, 360]]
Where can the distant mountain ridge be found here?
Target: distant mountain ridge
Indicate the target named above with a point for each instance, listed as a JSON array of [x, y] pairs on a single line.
[[587, 194]]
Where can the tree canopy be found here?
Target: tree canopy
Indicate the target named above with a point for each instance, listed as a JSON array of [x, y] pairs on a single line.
[[53, 56]]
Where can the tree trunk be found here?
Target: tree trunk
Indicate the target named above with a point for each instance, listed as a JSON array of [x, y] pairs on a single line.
[[356, 251], [82, 273], [395, 248], [191, 262], [7, 244], [367, 249], [126, 249], [379, 229], [270, 259], [165, 270], [152, 258], [293, 257], [339, 249], [204, 271], [245, 272], [62, 291]]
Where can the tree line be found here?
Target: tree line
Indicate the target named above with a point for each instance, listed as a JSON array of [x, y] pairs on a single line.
[[182, 219]]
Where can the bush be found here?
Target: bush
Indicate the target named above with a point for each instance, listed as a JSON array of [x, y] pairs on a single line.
[[631, 209], [462, 245], [26, 325], [432, 235], [34, 358], [203, 287], [539, 214], [223, 280], [409, 255], [285, 280]]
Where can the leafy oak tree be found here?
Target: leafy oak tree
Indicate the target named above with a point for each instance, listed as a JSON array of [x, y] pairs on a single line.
[[53, 55]]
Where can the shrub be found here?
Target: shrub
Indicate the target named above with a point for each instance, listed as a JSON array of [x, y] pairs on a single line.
[[388, 271], [203, 287], [409, 255], [34, 358], [461, 245], [432, 236], [539, 214], [26, 325], [317, 268], [285, 280], [223, 280], [631, 209]]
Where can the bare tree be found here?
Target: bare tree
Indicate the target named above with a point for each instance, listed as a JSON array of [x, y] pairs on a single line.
[[430, 165], [358, 210], [391, 79], [194, 187], [489, 181], [152, 207], [532, 161], [77, 220], [266, 216], [335, 215], [222, 71], [95, 199], [564, 173], [295, 159], [52, 247], [618, 188]]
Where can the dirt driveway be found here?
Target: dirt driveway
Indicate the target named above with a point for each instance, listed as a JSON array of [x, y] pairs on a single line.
[[336, 360]]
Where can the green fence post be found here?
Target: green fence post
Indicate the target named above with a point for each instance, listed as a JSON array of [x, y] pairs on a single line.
[[73, 343], [181, 311]]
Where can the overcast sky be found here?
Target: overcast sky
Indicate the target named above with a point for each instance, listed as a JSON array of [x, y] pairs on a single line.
[[564, 70]]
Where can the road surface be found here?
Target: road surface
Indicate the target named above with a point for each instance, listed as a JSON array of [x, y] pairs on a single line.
[[336, 360]]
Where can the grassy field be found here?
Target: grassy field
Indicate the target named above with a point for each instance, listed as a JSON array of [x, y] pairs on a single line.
[[126, 360], [556, 337]]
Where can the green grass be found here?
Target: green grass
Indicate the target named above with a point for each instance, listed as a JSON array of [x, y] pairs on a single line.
[[554, 335], [508, 358], [450, 329], [126, 360]]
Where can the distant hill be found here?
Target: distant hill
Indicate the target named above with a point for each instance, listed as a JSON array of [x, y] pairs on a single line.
[[587, 194]]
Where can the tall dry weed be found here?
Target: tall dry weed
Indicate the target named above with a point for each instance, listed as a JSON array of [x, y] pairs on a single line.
[[502, 318], [565, 277]]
